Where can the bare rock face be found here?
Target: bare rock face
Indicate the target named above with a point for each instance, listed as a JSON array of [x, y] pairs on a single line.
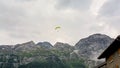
[[63, 47], [87, 49], [5, 49], [91, 47], [24, 46], [46, 45]]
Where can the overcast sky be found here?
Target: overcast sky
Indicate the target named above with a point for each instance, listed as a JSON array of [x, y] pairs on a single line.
[[25, 20]]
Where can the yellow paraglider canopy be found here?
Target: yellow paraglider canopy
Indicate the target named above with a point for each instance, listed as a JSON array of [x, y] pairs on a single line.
[[57, 27]]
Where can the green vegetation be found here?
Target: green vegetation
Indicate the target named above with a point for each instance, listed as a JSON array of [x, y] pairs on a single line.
[[52, 64], [41, 58], [76, 63], [54, 59]]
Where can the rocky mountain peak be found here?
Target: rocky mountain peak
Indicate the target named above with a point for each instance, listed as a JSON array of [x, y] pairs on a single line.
[[60, 44], [45, 44], [30, 43], [92, 46], [86, 49], [98, 36], [63, 46], [95, 40], [24, 46]]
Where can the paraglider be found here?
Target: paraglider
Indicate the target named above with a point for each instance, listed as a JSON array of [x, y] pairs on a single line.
[[57, 27]]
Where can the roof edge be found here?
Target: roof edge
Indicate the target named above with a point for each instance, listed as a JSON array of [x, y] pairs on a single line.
[[102, 55]]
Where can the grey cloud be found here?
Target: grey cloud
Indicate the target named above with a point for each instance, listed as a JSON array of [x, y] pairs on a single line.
[[110, 8], [96, 28], [75, 4], [109, 13], [24, 0], [10, 16], [27, 20]]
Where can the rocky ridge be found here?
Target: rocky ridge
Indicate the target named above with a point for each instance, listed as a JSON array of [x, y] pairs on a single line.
[[87, 49]]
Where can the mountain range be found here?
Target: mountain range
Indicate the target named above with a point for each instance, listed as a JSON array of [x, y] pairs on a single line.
[[60, 55]]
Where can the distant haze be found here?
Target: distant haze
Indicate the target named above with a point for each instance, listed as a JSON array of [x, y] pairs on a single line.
[[25, 20]]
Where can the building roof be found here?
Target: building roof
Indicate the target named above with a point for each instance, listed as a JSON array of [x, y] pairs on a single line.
[[111, 49]]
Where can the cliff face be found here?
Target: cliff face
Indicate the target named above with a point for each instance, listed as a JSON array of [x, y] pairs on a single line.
[[63, 47], [46, 45], [91, 47], [83, 54]]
